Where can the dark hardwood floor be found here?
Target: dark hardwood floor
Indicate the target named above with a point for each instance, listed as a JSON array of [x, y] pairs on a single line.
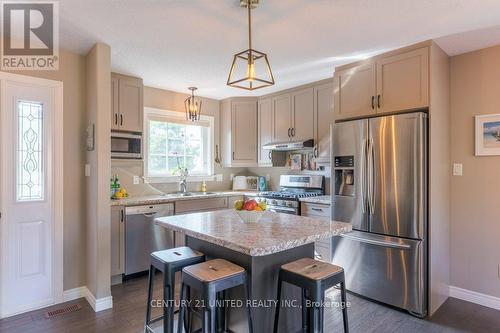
[[129, 299]]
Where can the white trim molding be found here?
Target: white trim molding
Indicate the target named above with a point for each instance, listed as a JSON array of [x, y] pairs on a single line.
[[475, 297], [96, 304]]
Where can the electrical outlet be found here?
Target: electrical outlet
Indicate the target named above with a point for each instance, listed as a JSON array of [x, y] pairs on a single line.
[[457, 169], [268, 177], [136, 180]]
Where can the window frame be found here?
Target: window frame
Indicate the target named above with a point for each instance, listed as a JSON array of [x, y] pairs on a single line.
[[178, 117]]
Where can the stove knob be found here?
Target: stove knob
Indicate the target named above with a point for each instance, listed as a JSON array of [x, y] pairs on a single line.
[[289, 204], [273, 202]]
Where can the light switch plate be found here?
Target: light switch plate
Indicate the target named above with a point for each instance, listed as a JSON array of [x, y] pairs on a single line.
[[136, 180], [457, 169], [87, 170]]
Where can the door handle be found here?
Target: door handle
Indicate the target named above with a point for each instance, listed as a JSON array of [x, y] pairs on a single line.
[[121, 120], [378, 101], [371, 177], [373, 102], [149, 214], [376, 242], [363, 176]]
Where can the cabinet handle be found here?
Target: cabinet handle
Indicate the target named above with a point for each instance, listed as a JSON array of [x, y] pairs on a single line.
[[289, 132], [315, 152], [121, 216], [293, 131], [270, 155], [317, 209], [233, 155], [121, 120], [373, 102], [116, 119], [217, 158], [378, 101]]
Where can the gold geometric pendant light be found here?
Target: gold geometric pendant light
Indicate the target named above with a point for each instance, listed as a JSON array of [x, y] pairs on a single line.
[[250, 69], [192, 105]]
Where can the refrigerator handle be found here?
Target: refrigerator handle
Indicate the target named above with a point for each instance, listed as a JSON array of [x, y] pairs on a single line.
[[363, 176], [371, 176], [376, 242]]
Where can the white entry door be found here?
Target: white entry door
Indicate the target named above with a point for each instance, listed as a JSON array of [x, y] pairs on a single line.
[[31, 236]]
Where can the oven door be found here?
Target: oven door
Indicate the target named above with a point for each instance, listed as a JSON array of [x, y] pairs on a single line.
[[125, 145], [285, 210]]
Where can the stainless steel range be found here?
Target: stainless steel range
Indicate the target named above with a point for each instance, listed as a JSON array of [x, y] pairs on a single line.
[[293, 187]]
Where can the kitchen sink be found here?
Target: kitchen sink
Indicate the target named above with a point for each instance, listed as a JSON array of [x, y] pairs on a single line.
[[188, 194]]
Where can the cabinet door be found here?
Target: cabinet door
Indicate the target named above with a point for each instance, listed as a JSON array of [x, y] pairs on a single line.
[[130, 105], [403, 81], [244, 132], [281, 118], [323, 96], [265, 130], [355, 91], [303, 114], [117, 241], [114, 104]]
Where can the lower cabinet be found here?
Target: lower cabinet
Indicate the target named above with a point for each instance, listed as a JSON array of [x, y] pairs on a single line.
[[117, 240], [323, 248]]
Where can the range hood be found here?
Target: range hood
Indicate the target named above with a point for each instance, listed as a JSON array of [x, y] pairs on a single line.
[[290, 145]]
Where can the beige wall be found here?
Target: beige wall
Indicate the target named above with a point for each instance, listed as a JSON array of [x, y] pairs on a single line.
[[173, 101], [475, 197], [72, 73], [98, 66]]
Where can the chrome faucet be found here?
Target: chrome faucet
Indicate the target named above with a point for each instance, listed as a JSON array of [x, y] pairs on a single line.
[[183, 185]]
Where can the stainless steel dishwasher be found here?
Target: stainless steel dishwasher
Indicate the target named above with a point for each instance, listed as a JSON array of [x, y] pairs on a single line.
[[142, 236]]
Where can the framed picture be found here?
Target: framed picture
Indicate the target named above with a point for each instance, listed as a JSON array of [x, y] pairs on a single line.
[[488, 135]]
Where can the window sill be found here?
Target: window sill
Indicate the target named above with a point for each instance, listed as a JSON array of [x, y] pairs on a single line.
[[176, 179]]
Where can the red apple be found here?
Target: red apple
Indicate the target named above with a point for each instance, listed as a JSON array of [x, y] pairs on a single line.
[[250, 205]]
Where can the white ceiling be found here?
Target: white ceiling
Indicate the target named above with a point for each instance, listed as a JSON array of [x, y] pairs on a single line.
[[174, 44]]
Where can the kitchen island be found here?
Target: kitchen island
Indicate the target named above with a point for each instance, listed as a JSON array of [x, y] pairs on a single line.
[[261, 248]]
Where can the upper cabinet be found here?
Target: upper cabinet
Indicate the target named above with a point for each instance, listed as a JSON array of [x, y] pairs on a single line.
[[394, 82], [403, 81], [265, 130], [302, 114], [127, 106], [323, 101], [282, 122], [355, 90], [239, 132]]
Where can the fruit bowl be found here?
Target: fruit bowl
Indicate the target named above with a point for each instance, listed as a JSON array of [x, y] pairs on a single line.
[[250, 216], [250, 210]]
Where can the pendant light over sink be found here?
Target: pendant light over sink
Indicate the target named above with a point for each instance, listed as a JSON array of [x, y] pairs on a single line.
[[250, 69], [192, 105]]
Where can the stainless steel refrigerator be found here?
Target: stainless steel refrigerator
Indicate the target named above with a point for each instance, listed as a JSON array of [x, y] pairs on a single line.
[[380, 186]]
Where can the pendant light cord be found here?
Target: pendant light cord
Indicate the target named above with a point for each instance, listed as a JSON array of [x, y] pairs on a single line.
[[249, 4]]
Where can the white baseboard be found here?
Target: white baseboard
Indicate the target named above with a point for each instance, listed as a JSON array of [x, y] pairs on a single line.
[[475, 297], [96, 304]]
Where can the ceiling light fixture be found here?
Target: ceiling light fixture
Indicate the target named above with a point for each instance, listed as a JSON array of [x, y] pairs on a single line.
[[250, 69], [192, 105]]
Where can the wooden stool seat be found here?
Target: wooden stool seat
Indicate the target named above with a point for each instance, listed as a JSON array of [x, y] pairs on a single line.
[[177, 254], [213, 270], [312, 269]]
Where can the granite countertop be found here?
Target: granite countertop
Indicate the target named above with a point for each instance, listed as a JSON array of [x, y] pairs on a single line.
[[321, 199], [172, 197], [275, 232]]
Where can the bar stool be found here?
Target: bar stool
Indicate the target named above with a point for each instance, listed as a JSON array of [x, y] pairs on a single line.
[[168, 262], [314, 278], [212, 278]]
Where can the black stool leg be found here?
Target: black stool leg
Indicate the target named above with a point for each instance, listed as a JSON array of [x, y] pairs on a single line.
[[249, 310], [305, 316], [315, 328], [278, 305], [152, 271], [321, 312], [168, 309], [182, 308], [344, 308]]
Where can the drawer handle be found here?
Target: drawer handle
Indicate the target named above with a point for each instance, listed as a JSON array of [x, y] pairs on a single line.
[[177, 253], [317, 209]]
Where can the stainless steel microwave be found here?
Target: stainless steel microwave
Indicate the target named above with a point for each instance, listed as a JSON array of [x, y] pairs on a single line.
[[126, 145]]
